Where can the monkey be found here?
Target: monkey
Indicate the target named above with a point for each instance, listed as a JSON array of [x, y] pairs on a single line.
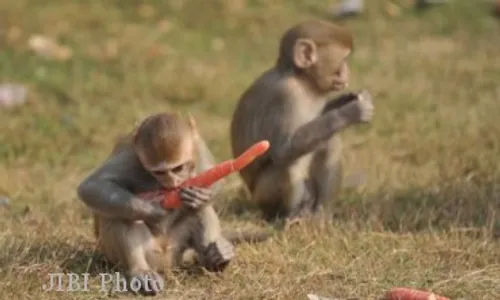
[[139, 234], [293, 106]]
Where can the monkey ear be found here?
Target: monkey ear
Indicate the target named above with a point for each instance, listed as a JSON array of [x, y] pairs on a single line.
[[304, 53], [192, 124]]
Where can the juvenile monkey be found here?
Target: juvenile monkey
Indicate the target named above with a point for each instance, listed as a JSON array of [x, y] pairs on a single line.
[[291, 105], [141, 235]]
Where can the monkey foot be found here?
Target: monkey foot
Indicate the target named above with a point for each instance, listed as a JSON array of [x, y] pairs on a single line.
[[217, 255], [300, 215], [294, 221], [145, 282]]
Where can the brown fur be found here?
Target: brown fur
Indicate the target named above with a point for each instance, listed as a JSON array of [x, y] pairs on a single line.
[[322, 33], [159, 136], [140, 234], [290, 105]]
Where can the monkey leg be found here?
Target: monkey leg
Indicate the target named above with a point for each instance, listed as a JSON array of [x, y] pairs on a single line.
[[284, 193], [202, 231], [132, 245], [326, 173]]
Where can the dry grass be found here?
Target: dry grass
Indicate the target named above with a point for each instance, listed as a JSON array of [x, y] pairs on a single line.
[[427, 216]]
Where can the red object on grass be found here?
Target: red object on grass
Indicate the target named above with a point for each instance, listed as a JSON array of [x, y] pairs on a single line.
[[402, 293], [204, 179]]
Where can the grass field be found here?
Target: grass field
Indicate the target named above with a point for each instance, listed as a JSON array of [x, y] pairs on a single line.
[[427, 216]]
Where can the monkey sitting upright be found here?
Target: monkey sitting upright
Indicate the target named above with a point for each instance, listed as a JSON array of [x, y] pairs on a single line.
[[291, 106], [140, 234]]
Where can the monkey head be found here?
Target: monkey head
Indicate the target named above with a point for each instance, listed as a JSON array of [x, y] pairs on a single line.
[[316, 52], [164, 145]]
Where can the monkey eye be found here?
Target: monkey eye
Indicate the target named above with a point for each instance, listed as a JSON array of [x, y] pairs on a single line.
[[178, 169], [183, 168], [160, 173]]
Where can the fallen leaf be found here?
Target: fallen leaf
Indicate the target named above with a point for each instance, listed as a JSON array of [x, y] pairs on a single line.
[[48, 48], [12, 95]]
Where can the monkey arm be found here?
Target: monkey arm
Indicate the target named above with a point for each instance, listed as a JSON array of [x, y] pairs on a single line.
[[339, 101], [309, 136], [106, 197]]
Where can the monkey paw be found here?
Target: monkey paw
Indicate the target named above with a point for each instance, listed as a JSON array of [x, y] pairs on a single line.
[[195, 197], [366, 106], [217, 255], [291, 222], [145, 282], [359, 110]]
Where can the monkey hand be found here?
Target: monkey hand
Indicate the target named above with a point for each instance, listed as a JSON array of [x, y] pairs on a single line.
[[195, 197], [359, 110], [155, 196], [151, 211]]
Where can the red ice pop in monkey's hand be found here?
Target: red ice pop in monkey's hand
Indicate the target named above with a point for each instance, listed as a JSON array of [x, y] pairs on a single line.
[[171, 197]]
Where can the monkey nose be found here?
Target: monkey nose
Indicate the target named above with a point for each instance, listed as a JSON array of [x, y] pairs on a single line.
[[177, 182], [167, 183]]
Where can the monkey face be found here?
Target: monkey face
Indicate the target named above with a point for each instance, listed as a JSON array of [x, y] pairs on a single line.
[[331, 73], [165, 145], [171, 176], [171, 163]]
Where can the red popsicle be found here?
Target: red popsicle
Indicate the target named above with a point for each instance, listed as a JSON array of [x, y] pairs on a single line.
[[212, 175]]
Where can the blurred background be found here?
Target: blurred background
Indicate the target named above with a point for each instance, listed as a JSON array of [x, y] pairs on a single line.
[[76, 74]]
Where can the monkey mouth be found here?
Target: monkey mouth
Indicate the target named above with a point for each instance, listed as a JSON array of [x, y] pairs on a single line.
[[339, 85], [169, 186]]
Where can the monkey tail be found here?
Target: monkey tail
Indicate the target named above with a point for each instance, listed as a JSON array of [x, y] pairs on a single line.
[[238, 237]]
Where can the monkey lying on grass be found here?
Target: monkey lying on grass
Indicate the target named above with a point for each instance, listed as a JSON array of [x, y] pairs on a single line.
[[140, 234]]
